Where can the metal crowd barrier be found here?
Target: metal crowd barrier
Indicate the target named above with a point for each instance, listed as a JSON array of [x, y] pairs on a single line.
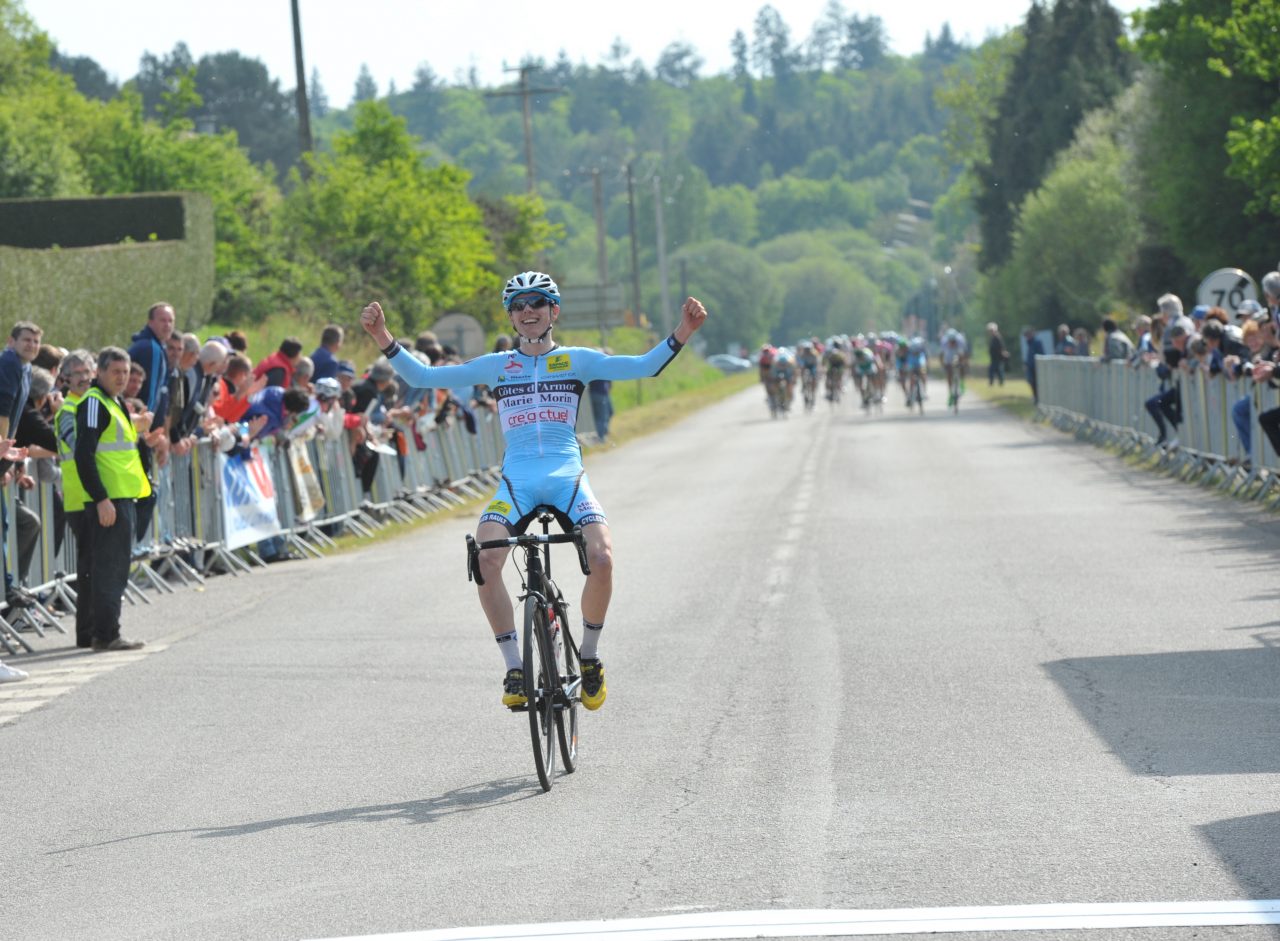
[[1106, 403], [185, 539]]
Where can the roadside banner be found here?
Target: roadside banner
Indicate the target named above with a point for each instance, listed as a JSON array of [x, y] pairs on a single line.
[[308, 498], [248, 499]]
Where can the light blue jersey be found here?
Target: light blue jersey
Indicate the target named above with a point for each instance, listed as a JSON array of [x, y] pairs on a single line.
[[537, 399]]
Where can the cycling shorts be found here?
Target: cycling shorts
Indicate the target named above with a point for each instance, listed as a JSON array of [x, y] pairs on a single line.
[[562, 486]]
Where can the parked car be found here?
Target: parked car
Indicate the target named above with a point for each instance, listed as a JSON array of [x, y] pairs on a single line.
[[727, 363]]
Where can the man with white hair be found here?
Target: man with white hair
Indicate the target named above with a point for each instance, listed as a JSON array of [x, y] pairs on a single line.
[[211, 362], [303, 370], [1169, 310], [1271, 295]]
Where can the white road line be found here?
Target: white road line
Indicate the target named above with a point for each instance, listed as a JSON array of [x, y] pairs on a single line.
[[723, 926], [46, 685]]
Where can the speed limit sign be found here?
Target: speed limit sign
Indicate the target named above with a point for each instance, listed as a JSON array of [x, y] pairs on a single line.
[[1227, 288]]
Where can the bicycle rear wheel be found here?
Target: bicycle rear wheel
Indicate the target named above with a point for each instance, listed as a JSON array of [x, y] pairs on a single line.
[[540, 681], [567, 713]]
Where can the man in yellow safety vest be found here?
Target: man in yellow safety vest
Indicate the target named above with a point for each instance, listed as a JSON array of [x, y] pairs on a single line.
[[77, 371], [110, 479]]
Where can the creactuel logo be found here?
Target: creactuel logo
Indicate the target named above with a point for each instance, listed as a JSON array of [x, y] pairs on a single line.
[[512, 364]]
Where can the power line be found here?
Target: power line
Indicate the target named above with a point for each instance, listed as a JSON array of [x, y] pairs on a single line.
[[525, 93]]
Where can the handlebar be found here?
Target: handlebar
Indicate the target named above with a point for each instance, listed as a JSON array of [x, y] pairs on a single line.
[[525, 539]]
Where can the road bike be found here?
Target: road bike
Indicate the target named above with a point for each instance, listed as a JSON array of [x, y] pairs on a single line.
[[835, 385], [955, 387], [552, 672], [779, 398], [915, 392], [809, 388]]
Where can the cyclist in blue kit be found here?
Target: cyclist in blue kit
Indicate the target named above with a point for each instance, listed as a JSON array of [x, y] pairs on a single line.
[[537, 389]]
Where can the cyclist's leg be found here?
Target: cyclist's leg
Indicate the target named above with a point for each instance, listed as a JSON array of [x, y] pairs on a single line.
[[583, 510], [494, 599], [598, 590], [497, 522]]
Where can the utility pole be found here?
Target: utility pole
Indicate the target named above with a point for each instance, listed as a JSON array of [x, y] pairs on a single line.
[[602, 254], [525, 93], [602, 257], [635, 259], [304, 109], [662, 254]]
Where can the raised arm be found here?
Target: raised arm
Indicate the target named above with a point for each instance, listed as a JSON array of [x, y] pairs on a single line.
[[417, 373], [692, 316]]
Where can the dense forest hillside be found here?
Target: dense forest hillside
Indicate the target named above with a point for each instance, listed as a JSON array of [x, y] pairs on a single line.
[[1073, 167]]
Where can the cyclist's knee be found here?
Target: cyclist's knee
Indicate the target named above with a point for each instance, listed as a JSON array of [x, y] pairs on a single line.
[[600, 558], [491, 562]]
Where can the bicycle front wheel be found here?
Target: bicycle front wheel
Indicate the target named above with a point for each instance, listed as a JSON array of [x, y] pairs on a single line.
[[540, 681]]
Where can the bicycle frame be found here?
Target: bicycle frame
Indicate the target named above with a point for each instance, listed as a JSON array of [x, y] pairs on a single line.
[[552, 683]]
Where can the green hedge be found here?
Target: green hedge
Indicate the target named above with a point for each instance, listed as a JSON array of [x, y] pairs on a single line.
[[98, 295]]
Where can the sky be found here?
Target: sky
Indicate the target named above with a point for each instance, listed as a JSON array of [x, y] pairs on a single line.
[[394, 36]]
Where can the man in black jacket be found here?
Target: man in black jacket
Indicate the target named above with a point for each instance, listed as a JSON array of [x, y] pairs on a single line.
[[112, 479]]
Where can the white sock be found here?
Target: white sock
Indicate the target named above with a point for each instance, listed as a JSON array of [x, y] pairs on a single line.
[[510, 650], [590, 637]]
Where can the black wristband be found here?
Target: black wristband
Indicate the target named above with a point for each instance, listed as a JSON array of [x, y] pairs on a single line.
[[391, 350], [674, 343]]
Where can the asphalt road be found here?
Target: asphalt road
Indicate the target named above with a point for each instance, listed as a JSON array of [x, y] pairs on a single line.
[[855, 662]]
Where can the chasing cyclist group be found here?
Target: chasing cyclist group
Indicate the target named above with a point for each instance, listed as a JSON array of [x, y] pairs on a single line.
[[869, 360]]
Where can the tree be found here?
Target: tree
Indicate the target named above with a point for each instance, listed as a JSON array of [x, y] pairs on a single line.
[[1071, 62], [366, 88], [732, 214], [731, 280], [91, 81], [739, 50], [944, 50], [383, 224], [240, 94], [864, 44], [771, 51], [316, 97], [519, 230], [790, 204], [678, 65], [826, 36], [1075, 234], [158, 75], [1247, 47], [1203, 194]]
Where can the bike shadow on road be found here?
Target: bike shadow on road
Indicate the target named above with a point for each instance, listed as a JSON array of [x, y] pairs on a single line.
[[471, 797], [1248, 846]]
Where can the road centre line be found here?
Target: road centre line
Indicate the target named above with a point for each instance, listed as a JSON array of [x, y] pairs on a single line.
[[810, 923]]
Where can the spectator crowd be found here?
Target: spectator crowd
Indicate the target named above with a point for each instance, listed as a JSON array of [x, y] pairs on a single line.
[[1243, 343], [99, 425]]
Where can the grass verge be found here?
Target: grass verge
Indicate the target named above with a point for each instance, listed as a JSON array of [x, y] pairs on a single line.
[[1014, 396]]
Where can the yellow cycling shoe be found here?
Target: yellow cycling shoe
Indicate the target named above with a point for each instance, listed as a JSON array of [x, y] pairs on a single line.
[[513, 696], [593, 688]]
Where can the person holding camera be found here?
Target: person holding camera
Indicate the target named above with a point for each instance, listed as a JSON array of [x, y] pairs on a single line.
[[1266, 369], [1167, 403], [1240, 365]]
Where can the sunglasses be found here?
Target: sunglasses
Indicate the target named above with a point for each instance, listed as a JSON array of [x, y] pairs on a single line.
[[535, 304]]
